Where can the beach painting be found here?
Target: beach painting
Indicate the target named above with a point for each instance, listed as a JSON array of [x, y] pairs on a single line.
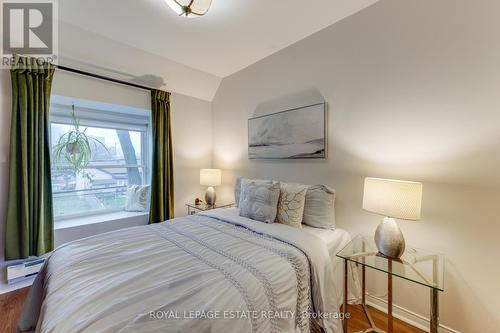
[[294, 134]]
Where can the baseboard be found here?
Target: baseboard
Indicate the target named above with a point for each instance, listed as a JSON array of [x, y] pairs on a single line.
[[7, 288], [406, 315]]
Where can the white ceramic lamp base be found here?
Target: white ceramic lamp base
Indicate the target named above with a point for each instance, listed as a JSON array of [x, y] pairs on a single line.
[[210, 196], [389, 239]]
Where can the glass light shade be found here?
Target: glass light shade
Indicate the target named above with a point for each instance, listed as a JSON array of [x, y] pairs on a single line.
[[210, 177], [393, 198], [190, 8]]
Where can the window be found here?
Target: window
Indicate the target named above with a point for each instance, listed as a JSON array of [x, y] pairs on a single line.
[[120, 145]]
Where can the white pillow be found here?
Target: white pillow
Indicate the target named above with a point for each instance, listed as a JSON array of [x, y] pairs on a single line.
[[138, 198], [319, 210], [291, 204]]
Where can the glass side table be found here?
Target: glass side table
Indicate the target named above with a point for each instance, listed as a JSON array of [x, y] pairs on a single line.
[[193, 208], [415, 265]]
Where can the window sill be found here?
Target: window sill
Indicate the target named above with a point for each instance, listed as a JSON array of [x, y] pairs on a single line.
[[95, 219]]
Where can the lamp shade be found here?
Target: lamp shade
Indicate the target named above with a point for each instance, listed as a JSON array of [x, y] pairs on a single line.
[[210, 177], [394, 198], [190, 8]]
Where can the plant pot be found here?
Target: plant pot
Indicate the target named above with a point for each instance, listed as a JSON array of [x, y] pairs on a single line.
[[73, 148]]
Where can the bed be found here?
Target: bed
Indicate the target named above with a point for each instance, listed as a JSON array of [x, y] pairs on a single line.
[[211, 272]]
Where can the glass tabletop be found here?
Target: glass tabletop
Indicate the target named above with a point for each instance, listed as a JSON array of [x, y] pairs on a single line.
[[415, 265], [204, 206]]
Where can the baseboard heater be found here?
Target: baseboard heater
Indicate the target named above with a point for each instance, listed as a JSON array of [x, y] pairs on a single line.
[[21, 271]]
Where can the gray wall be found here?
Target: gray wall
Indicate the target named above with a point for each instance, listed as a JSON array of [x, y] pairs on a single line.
[[413, 93]]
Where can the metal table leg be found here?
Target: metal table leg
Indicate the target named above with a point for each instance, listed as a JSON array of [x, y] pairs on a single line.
[[434, 315], [434, 299], [389, 300], [434, 311], [346, 273], [372, 328]]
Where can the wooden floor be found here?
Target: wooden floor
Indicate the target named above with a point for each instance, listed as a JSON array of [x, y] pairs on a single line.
[[358, 321], [10, 308], [11, 305]]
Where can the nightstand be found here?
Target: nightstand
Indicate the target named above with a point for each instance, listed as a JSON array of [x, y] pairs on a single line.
[[415, 265], [193, 208]]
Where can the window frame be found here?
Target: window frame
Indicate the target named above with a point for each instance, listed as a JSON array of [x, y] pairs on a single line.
[[107, 122]]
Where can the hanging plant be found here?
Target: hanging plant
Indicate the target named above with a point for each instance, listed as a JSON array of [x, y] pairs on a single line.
[[75, 149]]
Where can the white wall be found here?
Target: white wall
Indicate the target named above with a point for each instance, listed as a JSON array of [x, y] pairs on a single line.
[[85, 50], [413, 93], [87, 88], [192, 139]]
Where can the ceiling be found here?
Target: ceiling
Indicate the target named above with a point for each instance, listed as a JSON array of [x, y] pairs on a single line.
[[233, 35]]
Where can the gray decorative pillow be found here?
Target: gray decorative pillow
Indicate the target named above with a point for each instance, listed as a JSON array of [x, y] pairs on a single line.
[[240, 182], [319, 211], [137, 198], [291, 204], [259, 201]]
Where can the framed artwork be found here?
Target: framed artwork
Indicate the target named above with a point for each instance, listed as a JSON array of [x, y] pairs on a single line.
[[298, 133]]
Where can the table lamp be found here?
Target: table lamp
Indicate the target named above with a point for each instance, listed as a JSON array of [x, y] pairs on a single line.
[[392, 199], [210, 178]]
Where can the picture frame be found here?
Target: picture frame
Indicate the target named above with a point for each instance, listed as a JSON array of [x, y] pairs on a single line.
[[298, 133]]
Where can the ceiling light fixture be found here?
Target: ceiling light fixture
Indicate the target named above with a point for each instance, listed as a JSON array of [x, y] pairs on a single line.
[[190, 8]]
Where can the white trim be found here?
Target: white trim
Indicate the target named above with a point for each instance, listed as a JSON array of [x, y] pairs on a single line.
[[85, 215], [112, 120], [7, 288], [93, 165], [406, 315], [94, 219], [103, 122]]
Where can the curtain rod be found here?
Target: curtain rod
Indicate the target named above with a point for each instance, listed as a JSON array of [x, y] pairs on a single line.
[[102, 77]]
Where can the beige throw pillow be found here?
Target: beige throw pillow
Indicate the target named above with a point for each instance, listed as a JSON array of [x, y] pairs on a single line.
[[291, 204], [137, 198]]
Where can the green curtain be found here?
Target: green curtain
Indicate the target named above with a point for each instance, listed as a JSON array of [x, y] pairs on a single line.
[[29, 224], [162, 180]]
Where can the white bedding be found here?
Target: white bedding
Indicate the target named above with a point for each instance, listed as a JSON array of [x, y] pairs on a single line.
[[211, 262], [334, 240]]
